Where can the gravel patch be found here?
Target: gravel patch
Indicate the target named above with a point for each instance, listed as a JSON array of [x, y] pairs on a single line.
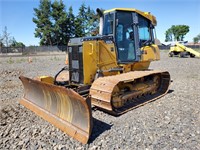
[[171, 122]]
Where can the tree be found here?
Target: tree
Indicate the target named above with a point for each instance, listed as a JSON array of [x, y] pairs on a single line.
[[1, 41], [54, 26], [80, 22], [43, 22], [6, 37], [92, 22], [13, 42], [61, 22], [71, 27], [168, 35], [96, 19], [16, 44], [86, 22], [6, 40], [196, 39], [176, 33]]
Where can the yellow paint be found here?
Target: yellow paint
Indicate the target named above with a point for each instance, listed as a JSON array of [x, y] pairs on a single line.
[[181, 48], [46, 79], [150, 53], [143, 65], [97, 55], [147, 15], [66, 111]]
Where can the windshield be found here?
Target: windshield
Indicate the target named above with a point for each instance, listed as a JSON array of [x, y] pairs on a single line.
[[124, 37]]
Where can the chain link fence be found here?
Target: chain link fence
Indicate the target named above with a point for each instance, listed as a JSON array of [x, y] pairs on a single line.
[[37, 50], [32, 50], [193, 46]]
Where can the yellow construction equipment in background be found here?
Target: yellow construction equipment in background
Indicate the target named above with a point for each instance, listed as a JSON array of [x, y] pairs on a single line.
[[108, 71], [182, 51]]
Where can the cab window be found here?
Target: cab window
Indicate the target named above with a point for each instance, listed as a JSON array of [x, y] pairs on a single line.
[[144, 29], [108, 24], [124, 40]]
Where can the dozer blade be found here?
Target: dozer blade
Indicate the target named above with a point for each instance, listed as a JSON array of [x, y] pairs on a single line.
[[60, 106]]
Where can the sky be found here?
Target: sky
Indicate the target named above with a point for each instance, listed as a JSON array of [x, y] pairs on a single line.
[[17, 15]]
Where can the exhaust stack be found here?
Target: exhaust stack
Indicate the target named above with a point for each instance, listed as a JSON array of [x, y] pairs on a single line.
[[100, 13]]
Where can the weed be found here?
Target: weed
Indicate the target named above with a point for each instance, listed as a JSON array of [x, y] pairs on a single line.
[[197, 49], [34, 59], [165, 51], [55, 58], [21, 60], [10, 61]]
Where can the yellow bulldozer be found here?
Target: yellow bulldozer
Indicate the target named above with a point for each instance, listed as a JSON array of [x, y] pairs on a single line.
[[108, 71]]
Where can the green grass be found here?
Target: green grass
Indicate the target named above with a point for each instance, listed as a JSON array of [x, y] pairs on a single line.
[[165, 51], [197, 49], [55, 58], [21, 60], [10, 61], [34, 59]]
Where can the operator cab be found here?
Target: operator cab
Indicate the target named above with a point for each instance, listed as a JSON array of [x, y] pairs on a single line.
[[131, 31]]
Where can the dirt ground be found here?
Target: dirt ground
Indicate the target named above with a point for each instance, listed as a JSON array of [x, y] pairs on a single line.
[[171, 122]]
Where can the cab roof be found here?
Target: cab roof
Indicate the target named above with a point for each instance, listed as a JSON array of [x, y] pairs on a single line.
[[147, 15]]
